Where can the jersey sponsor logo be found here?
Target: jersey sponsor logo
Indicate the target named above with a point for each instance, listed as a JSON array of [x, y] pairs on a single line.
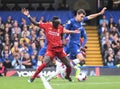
[[53, 33], [69, 22], [78, 50]]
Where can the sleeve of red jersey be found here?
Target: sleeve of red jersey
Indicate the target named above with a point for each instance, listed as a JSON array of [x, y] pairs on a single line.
[[42, 25]]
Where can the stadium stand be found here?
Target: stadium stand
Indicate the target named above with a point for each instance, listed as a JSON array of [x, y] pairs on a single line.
[[9, 20], [110, 38]]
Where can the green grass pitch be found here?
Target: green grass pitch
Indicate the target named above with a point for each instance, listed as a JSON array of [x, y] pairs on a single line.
[[94, 82]]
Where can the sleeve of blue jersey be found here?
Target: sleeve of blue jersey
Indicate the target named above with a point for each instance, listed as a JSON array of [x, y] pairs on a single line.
[[85, 37], [68, 25], [85, 19]]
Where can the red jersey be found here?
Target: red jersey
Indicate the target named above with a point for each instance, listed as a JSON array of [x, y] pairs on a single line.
[[53, 35]]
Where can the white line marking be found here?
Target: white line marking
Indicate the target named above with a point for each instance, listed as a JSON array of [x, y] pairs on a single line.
[[46, 83]]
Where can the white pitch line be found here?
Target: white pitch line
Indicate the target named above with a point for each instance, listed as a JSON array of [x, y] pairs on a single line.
[[46, 83]]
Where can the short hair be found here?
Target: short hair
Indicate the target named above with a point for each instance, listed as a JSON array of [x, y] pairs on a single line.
[[81, 11], [55, 18]]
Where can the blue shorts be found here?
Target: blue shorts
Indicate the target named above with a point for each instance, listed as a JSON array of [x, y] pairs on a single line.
[[66, 49], [74, 49], [42, 51]]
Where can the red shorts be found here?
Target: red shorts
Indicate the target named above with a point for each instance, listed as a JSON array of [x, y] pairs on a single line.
[[58, 52]]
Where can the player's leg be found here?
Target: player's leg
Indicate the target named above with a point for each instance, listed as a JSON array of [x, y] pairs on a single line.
[[66, 61], [76, 54], [78, 67], [76, 58], [63, 72], [79, 58], [46, 60], [53, 75], [41, 55]]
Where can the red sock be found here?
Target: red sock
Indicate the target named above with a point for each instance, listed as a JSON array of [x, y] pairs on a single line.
[[68, 71], [39, 70]]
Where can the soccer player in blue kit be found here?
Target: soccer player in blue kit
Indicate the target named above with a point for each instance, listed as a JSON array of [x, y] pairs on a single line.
[[42, 51], [82, 42], [74, 39]]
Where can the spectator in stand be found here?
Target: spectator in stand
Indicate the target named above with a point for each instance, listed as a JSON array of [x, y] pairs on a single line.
[[16, 29], [25, 30], [1, 24], [42, 19], [7, 30], [110, 60], [103, 19], [109, 57], [7, 64], [27, 61], [118, 25], [6, 50], [10, 21], [17, 63], [1, 35], [7, 40], [116, 45], [111, 23], [103, 29], [115, 39], [1, 47], [105, 40], [2, 69], [113, 32], [23, 23], [7, 56], [24, 48], [24, 39], [118, 59], [15, 47], [14, 38]]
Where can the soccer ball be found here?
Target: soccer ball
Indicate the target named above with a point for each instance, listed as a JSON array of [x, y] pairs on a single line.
[[82, 77]]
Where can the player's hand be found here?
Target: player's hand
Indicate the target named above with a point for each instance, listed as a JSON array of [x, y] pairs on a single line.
[[25, 11], [77, 31], [84, 49], [103, 10]]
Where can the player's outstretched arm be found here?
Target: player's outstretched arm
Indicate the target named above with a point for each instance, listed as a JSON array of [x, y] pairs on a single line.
[[70, 31], [26, 13], [92, 16]]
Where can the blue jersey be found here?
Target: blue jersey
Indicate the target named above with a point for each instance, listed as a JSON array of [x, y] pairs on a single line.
[[72, 24], [74, 39]]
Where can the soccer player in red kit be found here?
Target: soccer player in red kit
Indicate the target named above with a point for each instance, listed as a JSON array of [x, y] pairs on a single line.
[[54, 32]]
